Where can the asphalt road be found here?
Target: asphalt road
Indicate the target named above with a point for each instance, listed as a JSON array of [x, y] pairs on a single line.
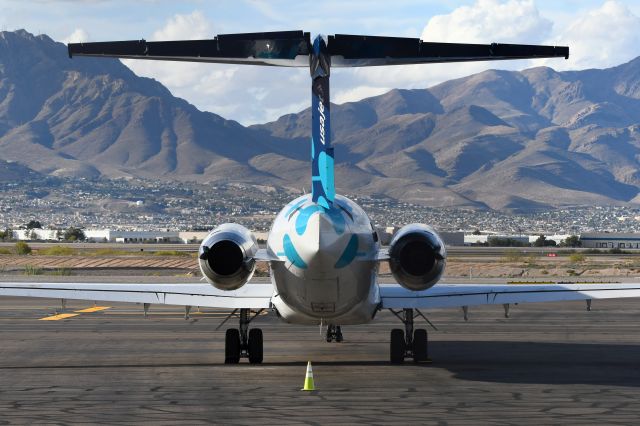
[[549, 363]]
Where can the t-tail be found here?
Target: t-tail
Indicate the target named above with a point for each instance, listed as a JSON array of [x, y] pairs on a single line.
[[295, 49], [322, 179]]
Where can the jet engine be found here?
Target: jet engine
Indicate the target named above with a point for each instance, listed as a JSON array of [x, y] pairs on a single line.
[[226, 256], [417, 257]]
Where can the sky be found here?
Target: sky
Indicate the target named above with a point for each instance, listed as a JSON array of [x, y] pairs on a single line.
[[600, 34]]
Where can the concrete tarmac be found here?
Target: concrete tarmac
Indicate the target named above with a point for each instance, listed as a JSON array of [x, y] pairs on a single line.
[[547, 364]]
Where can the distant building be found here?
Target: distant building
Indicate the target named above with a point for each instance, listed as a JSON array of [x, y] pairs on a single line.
[[452, 238], [35, 234], [385, 234], [470, 239], [606, 240], [107, 235], [192, 237]]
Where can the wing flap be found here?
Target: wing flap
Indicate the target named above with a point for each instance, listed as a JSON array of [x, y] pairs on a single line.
[[455, 295], [253, 296]]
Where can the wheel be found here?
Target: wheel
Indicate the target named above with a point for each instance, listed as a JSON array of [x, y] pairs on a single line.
[[420, 345], [396, 347], [338, 334], [255, 346], [232, 346], [331, 333]]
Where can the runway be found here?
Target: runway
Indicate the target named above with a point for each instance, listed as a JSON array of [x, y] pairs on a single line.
[[548, 363]]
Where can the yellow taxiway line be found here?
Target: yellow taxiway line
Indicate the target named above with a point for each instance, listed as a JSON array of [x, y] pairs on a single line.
[[75, 314], [92, 309], [58, 317]]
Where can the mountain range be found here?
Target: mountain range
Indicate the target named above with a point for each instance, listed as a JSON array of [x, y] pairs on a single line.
[[502, 140]]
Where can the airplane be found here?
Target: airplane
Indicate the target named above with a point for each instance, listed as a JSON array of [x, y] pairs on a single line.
[[323, 252]]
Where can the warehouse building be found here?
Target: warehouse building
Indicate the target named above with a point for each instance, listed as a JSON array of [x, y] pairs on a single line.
[[609, 240]]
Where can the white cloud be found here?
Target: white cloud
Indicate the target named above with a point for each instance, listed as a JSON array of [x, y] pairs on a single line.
[[603, 36], [600, 38], [250, 94], [77, 36], [185, 27], [486, 21]]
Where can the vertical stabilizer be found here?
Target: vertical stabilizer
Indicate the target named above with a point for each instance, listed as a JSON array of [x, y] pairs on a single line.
[[322, 183]]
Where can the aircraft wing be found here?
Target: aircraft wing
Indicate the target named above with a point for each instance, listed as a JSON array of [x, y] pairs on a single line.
[[292, 49], [455, 295], [253, 296]]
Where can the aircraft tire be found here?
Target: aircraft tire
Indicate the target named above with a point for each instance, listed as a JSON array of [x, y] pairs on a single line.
[[397, 346], [232, 346], [255, 346], [420, 345]]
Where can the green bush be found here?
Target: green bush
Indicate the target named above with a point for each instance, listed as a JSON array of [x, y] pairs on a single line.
[[108, 252], [22, 248], [171, 253], [577, 257], [32, 270], [513, 256], [57, 251], [62, 272], [74, 234], [5, 251]]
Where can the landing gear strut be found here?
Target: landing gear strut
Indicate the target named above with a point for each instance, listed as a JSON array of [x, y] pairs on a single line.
[[334, 332], [408, 343], [242, 342]]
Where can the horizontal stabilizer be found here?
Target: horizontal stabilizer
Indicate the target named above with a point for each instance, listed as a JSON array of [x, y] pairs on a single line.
[[292, 49], [282, 48], [362, 51]]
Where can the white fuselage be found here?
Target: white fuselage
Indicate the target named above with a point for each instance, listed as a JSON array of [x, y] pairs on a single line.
[[328, 270]]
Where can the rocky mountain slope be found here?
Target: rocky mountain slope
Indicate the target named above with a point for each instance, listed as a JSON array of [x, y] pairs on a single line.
[[506, 140], [91, 118], [497, 139]]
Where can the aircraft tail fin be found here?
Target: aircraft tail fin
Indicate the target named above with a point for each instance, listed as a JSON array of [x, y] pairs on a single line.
[[322, 161]]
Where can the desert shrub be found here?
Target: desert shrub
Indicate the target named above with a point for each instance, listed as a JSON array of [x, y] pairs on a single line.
[[32, 270], [22, 248], [577, 257], [171, 253], [62, 272], [57, 251], [513, 256]]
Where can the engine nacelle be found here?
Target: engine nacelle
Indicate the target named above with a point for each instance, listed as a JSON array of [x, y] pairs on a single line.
[[417, 257], [226, 256]]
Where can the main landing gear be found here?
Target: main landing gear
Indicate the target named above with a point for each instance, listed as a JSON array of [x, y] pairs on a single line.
[[242, 342], [334, 333], [408, 343]]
